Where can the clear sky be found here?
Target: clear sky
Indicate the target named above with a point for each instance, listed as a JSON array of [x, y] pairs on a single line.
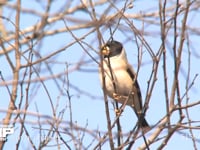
[[87, 97]]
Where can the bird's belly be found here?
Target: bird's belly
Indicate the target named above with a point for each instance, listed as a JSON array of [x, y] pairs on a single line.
[[121, 85]]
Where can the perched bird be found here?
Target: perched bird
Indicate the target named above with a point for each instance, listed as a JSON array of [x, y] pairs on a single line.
[[120, 79]]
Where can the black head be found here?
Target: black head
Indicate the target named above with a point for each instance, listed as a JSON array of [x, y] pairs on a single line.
[[112, 48]]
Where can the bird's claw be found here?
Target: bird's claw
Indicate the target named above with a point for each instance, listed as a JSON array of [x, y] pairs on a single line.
[[116, 96], [117, 112]]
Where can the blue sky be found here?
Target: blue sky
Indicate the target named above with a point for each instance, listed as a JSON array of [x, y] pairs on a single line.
[[89, 109]]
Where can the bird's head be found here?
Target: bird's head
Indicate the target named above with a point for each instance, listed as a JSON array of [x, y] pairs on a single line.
[[111, 49]]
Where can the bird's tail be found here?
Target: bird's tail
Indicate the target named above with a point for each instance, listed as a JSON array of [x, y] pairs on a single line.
[[143, 124]]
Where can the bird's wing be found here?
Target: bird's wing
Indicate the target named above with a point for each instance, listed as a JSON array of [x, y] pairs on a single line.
[[136, 89]]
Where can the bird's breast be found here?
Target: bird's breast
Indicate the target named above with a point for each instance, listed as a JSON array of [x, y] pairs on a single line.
[[118, 82]]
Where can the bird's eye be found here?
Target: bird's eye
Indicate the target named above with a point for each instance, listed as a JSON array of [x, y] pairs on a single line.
[[105, 50]]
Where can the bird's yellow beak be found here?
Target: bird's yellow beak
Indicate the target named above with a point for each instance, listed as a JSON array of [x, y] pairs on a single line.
[[105, 50]]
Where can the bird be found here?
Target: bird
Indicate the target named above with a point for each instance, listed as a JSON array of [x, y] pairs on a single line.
[[118, 79]]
